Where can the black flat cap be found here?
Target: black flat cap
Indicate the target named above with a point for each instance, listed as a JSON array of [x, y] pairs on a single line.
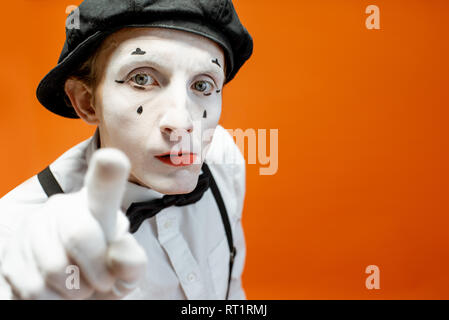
[[213, 19]]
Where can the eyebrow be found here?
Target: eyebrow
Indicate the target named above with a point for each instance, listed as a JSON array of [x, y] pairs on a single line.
[[215, 61], [131, 60]]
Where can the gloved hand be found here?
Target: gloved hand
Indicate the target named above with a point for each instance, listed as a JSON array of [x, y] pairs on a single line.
[[83, 231]]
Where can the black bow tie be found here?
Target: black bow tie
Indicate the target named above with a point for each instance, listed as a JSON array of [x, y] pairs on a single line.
[[140, 211]]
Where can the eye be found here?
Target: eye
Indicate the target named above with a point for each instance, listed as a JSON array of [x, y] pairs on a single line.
[[141, 79], [202, 86]]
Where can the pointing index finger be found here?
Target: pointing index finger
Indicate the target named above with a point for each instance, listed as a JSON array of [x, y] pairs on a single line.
[[105, 182]]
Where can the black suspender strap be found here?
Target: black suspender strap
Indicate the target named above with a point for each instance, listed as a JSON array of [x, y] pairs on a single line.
[[48, 182], [226, 223], [51, 187]]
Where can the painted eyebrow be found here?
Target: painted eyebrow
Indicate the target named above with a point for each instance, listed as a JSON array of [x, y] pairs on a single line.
[[138, 51], [215, 61], [217, 70]]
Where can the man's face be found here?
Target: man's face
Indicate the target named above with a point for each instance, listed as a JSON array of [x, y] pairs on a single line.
[[159, 92]]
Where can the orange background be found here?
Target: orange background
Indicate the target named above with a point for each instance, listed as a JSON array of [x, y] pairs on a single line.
[[363, 139]]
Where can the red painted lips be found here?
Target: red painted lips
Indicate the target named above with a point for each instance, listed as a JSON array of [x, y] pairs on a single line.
[[180, 159]]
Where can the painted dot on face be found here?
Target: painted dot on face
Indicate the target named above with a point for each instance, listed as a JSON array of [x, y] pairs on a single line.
[[140, 110], [218, 91], [216, 62], [138, 52], [205, 114], [120, 81]]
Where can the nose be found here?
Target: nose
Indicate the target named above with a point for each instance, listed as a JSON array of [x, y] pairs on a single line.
[[170, 129], [176, 120]]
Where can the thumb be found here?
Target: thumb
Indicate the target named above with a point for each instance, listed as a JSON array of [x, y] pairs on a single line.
[[105, 182]]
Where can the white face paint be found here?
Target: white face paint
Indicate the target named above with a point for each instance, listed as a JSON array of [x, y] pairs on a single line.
[[159, 106]]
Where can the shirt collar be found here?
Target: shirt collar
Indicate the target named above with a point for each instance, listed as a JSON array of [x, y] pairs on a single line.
[[133, 192]]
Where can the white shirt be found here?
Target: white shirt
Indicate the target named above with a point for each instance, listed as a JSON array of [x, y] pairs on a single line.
[[187, 249]]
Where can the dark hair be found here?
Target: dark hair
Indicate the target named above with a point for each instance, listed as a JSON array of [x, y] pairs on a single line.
[[86, 73]]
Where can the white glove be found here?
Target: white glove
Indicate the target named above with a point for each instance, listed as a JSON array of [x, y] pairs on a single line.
[[83, 231]]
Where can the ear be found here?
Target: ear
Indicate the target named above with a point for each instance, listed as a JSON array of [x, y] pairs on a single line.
[[80, 96]]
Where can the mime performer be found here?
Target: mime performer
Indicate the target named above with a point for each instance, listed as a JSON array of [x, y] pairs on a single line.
[[150, 206]]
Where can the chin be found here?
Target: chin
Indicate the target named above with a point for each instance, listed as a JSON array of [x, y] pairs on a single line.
[[179, 182]]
